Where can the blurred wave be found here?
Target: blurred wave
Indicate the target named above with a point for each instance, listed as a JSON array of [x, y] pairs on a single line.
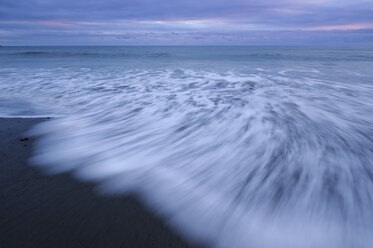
[[84, 54], [179, 53], [264, 157]]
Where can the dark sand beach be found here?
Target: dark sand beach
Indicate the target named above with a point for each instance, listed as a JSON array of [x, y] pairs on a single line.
[[57, 211]]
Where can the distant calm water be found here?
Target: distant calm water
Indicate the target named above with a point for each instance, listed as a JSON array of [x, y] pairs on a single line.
[[235, 146]]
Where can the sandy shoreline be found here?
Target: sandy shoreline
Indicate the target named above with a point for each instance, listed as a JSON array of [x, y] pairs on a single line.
[[58, 211]]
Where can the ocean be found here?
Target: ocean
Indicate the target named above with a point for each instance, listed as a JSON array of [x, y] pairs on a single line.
[[233, 146]]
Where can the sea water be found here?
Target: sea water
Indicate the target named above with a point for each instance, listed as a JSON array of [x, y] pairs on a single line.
[[233, 146]]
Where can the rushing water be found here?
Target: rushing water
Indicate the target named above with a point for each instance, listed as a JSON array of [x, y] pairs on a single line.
[[234, 146]]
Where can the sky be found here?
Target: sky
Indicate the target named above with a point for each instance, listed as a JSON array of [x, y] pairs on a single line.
[[187, 22]]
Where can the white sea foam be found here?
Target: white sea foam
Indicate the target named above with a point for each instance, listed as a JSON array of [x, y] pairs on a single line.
[[231, 159], [270, 149]]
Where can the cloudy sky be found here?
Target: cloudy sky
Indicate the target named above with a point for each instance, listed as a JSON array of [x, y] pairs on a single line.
[[187, 22]]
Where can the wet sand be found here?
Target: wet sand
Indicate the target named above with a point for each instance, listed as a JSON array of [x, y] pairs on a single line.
[[57, 211]]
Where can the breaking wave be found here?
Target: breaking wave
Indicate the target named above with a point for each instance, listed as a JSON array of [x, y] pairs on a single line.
[[233, 146], [230, 159]]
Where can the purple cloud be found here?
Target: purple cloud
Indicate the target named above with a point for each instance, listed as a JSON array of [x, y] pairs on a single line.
[[66, 21]]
